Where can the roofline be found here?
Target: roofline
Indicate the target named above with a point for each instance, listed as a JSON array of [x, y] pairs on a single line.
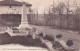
[[15, 5]]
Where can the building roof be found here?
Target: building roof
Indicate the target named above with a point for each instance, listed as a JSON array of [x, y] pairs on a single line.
[[12, 3]]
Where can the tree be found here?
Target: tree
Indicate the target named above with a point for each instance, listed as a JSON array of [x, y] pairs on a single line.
[[48, 17], [59, 10], [67, 12], [77, 21], [77, 10]]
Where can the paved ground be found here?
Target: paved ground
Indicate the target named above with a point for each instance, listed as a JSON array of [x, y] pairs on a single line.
[[18, 47], [66, 35]]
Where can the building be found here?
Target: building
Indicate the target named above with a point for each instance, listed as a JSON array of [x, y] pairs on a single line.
[[11, 12]]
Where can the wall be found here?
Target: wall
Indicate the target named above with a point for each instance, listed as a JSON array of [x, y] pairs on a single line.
[[12, 9], [72, 22]]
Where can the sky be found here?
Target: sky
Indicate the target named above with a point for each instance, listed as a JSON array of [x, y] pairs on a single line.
[[42, 5], [39, 5]]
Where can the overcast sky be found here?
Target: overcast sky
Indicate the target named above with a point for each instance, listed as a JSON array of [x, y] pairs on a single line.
[[43, 4], [40, 5]]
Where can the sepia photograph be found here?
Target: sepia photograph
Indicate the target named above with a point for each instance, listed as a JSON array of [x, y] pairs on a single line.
[[39, 25]]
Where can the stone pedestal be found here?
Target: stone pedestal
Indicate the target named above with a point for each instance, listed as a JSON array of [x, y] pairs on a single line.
[[24, 19], [24, 25]]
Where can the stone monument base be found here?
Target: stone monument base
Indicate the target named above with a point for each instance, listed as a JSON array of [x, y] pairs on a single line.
[[24, 25]]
